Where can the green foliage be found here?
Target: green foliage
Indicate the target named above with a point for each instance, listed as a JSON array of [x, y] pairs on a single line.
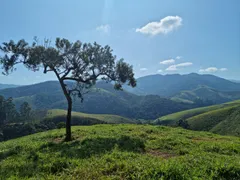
[[15, 130], [8, 112], [183, 123], [121, 152], [61, 125], [26, 111], [79, 62]]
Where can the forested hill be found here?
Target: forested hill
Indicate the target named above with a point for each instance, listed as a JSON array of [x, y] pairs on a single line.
[[102, 99]]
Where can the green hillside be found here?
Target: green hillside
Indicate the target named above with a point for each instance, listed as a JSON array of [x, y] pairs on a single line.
[[205, 94], [121, 152], [79, 118], [222, 118], [222, 121]]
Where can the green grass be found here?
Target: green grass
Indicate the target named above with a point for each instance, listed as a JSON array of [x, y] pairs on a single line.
[[99, 118], [222, 119], [173, 118], [121, 152]]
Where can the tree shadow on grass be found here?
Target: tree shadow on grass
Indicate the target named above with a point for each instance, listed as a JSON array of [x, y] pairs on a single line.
[[94, 146], [10, 152]]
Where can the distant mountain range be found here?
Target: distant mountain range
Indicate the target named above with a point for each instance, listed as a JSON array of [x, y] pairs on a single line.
[[169, 85], [4, 86], [188, 88]]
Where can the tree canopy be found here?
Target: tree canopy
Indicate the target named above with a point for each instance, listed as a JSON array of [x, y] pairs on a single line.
[[83, 63]]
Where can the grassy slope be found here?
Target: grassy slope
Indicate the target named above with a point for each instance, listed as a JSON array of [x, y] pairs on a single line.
[[223, 121], [196, 111], [104, 118], [121, 152], [223, 118]]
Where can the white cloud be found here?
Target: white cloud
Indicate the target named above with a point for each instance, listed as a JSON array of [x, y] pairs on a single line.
[[175, 66], [143, 69], [184, 64], [223, 69], [164, 26], [212, 69], [172, 68], [159, 71], [169, 61], [104, 28], [179, 57]]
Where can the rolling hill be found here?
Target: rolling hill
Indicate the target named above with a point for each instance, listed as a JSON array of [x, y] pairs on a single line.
[[121, 152], [102, 99], [58, 115], [172, 84], [223, 118], [206, 94]]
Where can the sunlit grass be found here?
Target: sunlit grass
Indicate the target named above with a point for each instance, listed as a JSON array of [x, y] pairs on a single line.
[[121, 152]]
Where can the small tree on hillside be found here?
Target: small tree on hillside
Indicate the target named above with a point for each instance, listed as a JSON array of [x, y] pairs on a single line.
[[8, 112], [77, 62], [2, 111], [25, 111]]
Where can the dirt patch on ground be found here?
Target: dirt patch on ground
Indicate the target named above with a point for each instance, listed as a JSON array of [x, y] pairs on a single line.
[[157, 153], [58, 140]]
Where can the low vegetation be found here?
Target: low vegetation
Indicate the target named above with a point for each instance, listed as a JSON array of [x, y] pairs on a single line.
[[121, 152], [222, 119]]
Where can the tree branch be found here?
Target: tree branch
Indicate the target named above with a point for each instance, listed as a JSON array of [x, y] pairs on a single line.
[[66, 72]]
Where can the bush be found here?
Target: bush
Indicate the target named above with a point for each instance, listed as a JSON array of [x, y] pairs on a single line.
[[15, 130], [61, 125]]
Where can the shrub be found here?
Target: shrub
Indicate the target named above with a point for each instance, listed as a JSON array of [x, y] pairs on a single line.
[[61, 125]]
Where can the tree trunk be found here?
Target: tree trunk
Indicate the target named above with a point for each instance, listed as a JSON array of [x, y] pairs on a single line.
[[68, 121], [69, 112]]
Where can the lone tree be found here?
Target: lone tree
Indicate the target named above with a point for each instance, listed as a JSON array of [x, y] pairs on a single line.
[[80, 63]]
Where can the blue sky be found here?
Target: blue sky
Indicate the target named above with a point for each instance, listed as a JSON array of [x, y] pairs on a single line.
[[155, 36]]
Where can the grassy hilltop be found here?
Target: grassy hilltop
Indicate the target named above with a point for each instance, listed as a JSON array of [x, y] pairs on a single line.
[[121, 152]]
